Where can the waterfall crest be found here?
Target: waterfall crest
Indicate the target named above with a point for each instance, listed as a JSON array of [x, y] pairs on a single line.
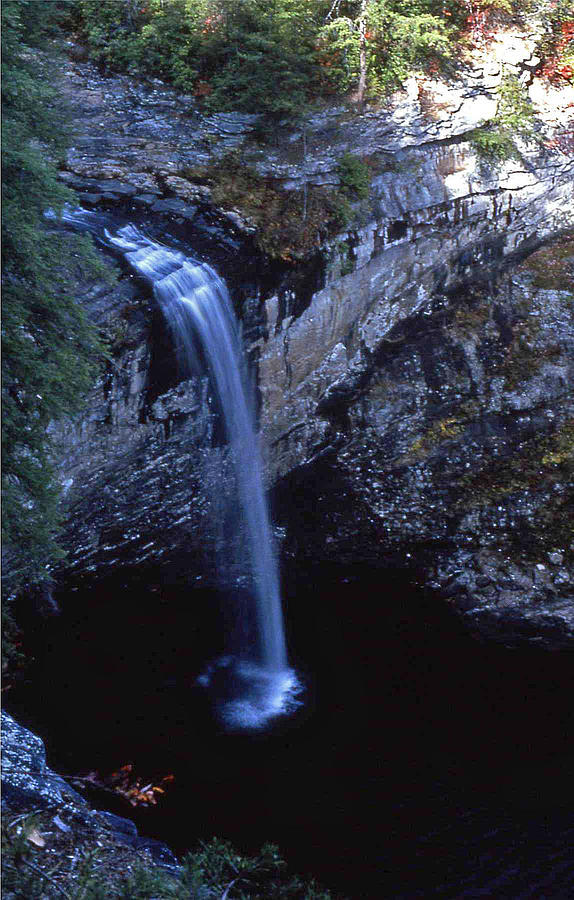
[[252, 684]]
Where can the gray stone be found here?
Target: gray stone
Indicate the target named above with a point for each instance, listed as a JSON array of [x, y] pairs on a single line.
[[145, 199], [116, 187], [92, 199], [27, 783], [177, 207], [419, 385], [556, 557]]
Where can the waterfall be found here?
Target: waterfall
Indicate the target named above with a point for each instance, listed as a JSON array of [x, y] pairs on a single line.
[[252, 684]]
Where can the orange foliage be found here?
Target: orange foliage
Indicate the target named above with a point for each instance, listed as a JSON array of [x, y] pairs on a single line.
[[555, 69], [123, 783]]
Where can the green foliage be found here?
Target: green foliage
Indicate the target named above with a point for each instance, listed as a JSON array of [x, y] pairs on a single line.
[[257, 54], [399, 36], [41, 863], [146, 883], [404, 36], [493, 144], [219, 867], [556, 47], [339, 48], [355, 176], [269, 63], [12, 656], [355, 179], [341, 210], [155, 39], [270, 56], [514, 118], [49, 349]]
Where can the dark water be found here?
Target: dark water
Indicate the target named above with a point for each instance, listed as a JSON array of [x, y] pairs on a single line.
[[423, 763]]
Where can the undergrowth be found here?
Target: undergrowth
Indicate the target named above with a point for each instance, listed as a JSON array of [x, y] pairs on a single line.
[[47, 855], [289, 224]]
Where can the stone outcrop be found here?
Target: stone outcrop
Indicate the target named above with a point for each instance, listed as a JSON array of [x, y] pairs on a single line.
[[454, 446], [27, 782], [415, 385], [30, 786]]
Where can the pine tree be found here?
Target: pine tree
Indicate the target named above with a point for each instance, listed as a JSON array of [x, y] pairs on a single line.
[[49, 349]]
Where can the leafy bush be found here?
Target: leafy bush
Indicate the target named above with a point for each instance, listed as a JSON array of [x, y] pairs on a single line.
[[254, 55], [355, 176], [514, 118], [272, 56], [404, 36], [557, 46]]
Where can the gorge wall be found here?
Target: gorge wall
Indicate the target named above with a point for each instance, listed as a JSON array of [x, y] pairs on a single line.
[[415, 370]]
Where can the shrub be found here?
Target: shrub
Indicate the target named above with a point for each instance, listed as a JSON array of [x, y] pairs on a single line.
[[514, 118], [355, 177]]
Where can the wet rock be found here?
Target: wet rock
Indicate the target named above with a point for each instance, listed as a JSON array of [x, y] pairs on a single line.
[[144, 199], [563, 579], [119, 824], [424, 395], [116, 187], [90, 199], [236, 220], [27, 782], [159, 852], [556, 558], [175, 207], [183, 188]]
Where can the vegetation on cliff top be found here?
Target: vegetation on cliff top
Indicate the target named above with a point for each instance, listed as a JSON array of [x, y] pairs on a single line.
[[272, 56], [276, 56]]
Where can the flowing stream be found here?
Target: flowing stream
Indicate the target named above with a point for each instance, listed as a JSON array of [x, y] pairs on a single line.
[[252, 683]]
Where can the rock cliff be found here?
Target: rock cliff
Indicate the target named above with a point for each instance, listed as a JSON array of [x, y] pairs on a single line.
[[415, 370]]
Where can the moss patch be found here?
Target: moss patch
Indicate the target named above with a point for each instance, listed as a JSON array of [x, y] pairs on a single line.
[[469, 317], [540, 466], [444, 430], [552, 267], [289, 224], [535, 465]]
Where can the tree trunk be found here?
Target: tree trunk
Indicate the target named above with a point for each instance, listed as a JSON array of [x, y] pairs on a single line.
[[305, 173], [362, 54]]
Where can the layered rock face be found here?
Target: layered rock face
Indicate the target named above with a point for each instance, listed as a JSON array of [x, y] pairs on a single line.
[[453, 447], [415, 380]]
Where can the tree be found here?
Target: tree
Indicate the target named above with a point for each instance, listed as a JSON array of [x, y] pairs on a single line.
[[49, 349], [268, 58], [271, 56], [371, 45]]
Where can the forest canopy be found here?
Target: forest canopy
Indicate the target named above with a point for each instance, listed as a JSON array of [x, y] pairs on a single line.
[[277, 55]]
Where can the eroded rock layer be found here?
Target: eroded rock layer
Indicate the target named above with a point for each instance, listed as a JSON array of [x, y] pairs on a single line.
[[415, 374]]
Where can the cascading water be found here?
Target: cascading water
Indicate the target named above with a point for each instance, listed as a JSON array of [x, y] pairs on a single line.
[[253, 684]]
